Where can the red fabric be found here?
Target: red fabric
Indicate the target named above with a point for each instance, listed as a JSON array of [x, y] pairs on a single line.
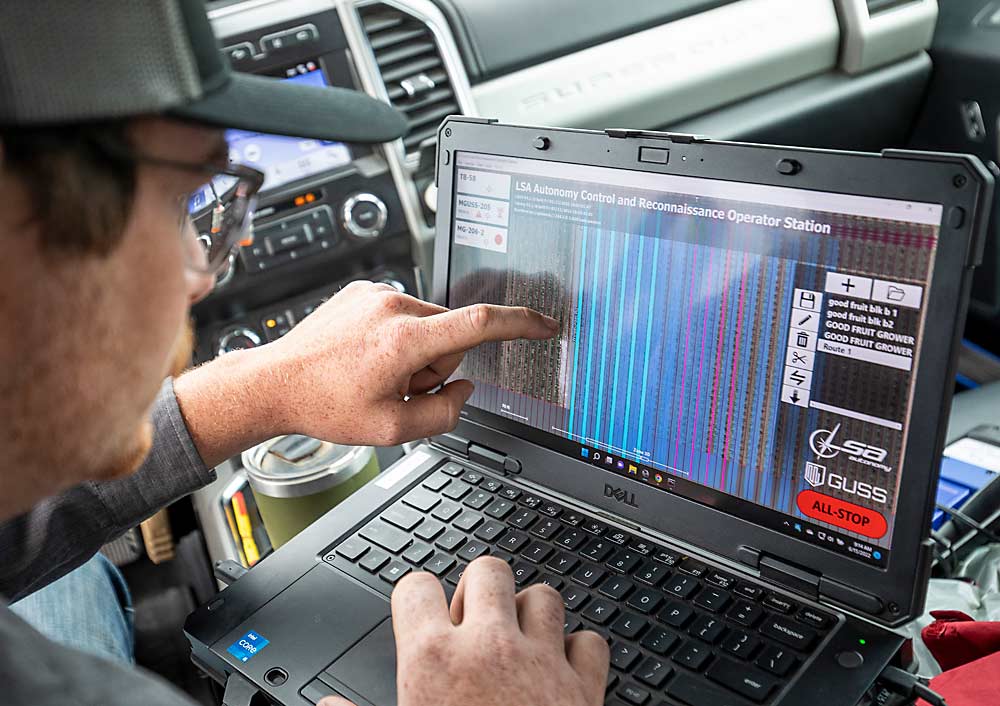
[[956, 639], [974, 684]]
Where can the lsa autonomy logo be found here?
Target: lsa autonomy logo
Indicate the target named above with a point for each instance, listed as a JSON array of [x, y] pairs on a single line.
[[824, 445]]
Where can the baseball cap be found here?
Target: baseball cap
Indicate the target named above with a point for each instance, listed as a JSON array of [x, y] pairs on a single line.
[[71, 61]]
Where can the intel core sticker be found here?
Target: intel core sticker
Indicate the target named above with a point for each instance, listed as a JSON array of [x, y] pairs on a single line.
[[247, 646]]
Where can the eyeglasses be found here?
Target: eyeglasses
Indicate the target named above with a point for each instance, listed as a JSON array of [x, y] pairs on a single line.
[[218, 214]]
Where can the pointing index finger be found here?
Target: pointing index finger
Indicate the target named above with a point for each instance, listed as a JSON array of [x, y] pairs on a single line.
[[459, 330]]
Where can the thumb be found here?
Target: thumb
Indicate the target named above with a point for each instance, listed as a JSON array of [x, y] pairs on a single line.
[[435, 413], [334, 701]]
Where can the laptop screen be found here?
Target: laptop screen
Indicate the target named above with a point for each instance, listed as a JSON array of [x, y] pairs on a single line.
[[749, 347]]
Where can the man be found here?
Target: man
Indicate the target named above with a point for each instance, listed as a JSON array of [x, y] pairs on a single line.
[[109, 120]]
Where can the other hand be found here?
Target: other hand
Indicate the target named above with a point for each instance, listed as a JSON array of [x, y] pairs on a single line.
[[362, 367]]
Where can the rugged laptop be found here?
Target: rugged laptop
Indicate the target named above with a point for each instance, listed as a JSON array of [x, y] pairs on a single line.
[[725, 463]]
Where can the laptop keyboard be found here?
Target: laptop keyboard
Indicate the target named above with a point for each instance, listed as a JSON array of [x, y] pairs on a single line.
[[680, 631]]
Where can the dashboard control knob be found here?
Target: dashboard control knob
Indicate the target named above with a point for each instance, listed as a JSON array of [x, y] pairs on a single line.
[[237, 339], [364, 215]]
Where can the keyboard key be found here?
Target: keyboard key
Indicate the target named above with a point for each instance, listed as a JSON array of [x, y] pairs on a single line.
[[741, 644], [546, 529], [550, 580], [597, 550], [818, 620], [456, 490], [406, 518], [455, 575], [650, 573], [439, 564], [696, 690], [418, 553], [787, 632], [353, 549], [562, 563], [510, 493], [472, 478], [478, 500], [523, 573], [452, 469], [676, 614], [436, 481], [504, 557], [594, 527], [714, 600], [613, 679], [532, 501], [473, 550], [658, 640], [752, 593], [588, 575], [707, 628], [572, 539], [600, 611], [717, 578], [550, 509], [616, 588], [491, 485], [500, 508], [374, 560], [386, 536], [429, 530], [512, 542], [573, 519], [394, 572], [446, 511], [653, 672], [776, 660], [450, 540], [745, 613], [645, 600], [665, 556], [468, 521], [617, 537], [641, 546], [536, 552], [523, 519], [421, 499], [633, 694], [574, 597], [629, 625], [693, 568], [490, 531], [624, 561], [779, 604], [692, 655], [681, 586], [623, 656], [742, 678], [571, 625]]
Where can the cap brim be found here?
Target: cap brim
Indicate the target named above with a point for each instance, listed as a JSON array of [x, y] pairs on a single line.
[[271, 105]]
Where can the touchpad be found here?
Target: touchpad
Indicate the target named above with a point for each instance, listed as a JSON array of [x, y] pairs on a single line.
[[369, 668]]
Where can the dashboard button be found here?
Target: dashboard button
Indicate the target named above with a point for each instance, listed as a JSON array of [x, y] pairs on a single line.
[[364, 215], [238, 339]]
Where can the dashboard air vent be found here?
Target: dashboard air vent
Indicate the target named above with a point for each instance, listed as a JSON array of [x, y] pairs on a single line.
[[414, 74], [877, 6]]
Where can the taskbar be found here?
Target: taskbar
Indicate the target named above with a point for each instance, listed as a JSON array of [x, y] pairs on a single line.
[[791, 526]]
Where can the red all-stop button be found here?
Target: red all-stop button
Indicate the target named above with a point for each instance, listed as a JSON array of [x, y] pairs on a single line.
[[841, 513]]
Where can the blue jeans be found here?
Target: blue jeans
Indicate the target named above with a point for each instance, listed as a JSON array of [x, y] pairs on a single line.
[[88, 609]]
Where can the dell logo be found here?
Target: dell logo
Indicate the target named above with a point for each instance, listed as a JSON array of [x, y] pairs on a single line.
[[621, 495]]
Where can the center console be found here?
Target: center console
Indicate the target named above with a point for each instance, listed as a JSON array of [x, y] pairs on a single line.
[[328, 213]]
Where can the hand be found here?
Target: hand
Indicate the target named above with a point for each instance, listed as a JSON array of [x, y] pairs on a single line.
[[361, 368], [494, 648]]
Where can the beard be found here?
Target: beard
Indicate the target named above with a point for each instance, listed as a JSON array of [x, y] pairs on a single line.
[[137, 448]]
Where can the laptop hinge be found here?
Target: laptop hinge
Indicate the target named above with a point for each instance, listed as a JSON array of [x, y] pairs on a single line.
[[453, 443], [496, 460], [789, 575]]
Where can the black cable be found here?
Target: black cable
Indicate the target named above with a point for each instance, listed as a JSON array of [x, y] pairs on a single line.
[[962, 517], [909, 686]]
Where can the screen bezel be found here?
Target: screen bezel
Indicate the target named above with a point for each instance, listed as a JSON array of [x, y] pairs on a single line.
[[930, 179]]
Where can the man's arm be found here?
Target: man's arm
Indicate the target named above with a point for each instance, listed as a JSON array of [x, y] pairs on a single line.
[[61, 533]]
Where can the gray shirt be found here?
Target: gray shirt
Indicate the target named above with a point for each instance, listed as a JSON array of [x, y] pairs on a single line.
[[60, 534]]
